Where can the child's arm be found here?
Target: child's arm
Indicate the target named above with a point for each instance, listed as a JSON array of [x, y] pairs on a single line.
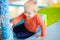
[[17, 19], [42, 25]]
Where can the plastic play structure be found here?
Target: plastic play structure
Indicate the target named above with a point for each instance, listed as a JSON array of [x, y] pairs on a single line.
[[7, 33], [53, 11]]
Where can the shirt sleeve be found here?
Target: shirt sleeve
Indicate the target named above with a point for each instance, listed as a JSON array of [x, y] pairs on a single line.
[[42, 25], [17, 19]]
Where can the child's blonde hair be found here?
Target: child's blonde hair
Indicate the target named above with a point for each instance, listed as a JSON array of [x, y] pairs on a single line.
[[32, 5]]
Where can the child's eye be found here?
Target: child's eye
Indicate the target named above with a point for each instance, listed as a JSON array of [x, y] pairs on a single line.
[[28, 13], [25, 12]]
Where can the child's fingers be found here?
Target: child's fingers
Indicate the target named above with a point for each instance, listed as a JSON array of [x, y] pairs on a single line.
[[39, 36], [11, 26]]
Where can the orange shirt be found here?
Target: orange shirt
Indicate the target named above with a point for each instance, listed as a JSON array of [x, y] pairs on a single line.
[[31, 24]]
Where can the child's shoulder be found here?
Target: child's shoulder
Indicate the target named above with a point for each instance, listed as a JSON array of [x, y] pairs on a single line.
[[22, 14]]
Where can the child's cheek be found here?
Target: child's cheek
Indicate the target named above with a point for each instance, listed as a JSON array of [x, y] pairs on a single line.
[[32, 15]]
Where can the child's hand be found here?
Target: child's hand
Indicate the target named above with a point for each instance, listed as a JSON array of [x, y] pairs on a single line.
[[11, 24], [39, 36]]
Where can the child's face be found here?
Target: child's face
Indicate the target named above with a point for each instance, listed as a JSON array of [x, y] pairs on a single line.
[[29, 14], [29, 9]]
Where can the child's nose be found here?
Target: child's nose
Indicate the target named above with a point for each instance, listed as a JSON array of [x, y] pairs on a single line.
[[27, 14]]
